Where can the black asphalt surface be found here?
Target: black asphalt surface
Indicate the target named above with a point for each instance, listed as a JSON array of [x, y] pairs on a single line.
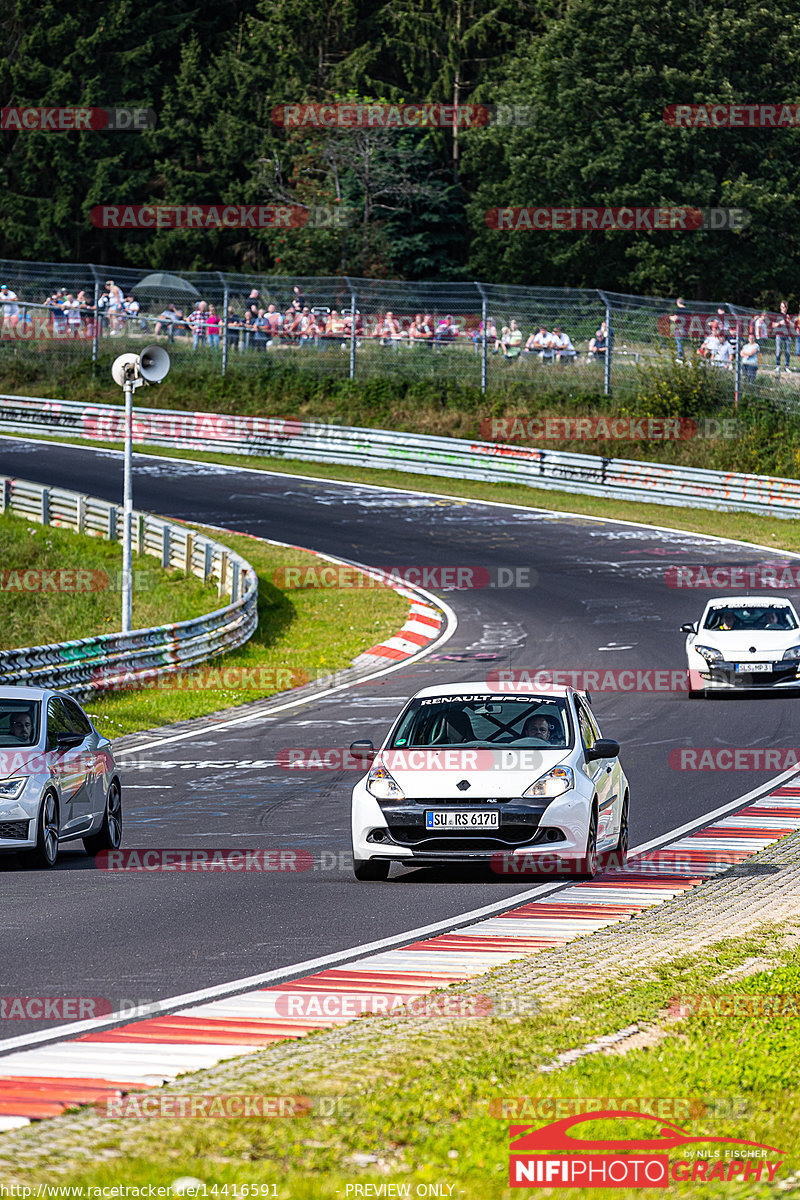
[[595, 597]]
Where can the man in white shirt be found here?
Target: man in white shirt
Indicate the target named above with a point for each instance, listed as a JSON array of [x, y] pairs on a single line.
[[10, 307], [562, 345], [539, 343]]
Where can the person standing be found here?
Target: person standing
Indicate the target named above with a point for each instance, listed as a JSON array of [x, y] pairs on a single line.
[[677, 320], [782, 332]]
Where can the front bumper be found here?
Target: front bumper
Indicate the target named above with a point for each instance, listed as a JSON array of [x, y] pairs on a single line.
[[723, 675]]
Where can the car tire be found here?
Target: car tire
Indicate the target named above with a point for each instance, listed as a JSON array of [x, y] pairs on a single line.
[[589, 864], [109, 835], [619, 855], [45, 854], [371, 870]]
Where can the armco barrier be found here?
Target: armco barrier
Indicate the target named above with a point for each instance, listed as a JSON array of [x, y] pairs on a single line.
[[587, 474], [113, 660]]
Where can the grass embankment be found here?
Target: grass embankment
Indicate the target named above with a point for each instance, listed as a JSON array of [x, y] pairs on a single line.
[[766, 440], [302, 633], [721, 1074]]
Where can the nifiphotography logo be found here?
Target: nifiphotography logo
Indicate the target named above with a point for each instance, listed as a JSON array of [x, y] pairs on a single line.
[[551, 1156]]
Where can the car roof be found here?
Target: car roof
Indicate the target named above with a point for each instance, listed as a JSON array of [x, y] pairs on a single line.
[[8, 692], [484, 689], [749, 601]]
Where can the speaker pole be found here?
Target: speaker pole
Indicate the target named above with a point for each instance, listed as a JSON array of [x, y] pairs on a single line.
[[127, 501]]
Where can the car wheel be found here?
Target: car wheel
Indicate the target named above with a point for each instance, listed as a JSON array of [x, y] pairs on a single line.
[[589, 865], [47, 831], [371, 870], [109, 836]]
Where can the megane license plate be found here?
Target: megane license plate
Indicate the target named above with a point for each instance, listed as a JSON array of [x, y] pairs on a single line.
[[753, 668], [462, 820]]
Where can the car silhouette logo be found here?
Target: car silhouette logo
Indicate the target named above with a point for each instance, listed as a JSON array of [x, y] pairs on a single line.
[[557, 1136]]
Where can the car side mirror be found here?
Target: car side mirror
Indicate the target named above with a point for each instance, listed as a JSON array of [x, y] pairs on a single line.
[[68, 741], [363, 749], [603, 748], [689, 628]]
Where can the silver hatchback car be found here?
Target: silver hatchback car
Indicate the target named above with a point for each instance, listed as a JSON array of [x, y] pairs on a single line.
[[58, 779]]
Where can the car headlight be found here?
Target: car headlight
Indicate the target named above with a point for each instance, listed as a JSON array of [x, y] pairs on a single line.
[[709, 653], [11, 789], [792, 652], [382, 785], [553, 784]]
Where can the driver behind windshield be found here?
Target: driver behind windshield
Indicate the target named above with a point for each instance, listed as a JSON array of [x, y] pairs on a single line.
[[21, 727]]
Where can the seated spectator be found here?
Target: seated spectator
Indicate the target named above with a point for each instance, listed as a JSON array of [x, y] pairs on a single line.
[[421, 330], [560, 342], [751, 354], [512, 341], [274, 320], [447, 331], [292, 323], [597, 344], [710, 345], [492, 340], [132, 310], [334, 327], [165, 321], [389, 332], [540, 343]]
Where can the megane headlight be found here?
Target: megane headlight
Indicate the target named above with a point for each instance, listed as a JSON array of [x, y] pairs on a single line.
[[382, 784], [792, 652], [709, 653], [553, 784], [11, 789]]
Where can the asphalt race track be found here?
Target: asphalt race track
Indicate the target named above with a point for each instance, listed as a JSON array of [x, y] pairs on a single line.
[[599, 600]]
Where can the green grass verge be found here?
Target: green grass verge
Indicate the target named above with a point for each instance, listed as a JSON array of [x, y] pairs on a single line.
[[58, 584], [302, 633], [731, 1076]]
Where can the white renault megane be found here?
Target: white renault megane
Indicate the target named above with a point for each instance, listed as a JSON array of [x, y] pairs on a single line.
[[743, 642], [470, 774]]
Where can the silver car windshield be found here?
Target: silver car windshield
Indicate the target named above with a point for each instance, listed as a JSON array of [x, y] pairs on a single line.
[[483, 721], [19, 722], [757, 616]]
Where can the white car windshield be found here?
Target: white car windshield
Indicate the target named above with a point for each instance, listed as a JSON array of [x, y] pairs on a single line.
[[484, 721], [757, 616], [19, 723]]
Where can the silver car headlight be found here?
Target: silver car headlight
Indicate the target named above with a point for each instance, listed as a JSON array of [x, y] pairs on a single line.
[[382, 784], [709, 653], [11, 789], [792, 652], [553, 784]]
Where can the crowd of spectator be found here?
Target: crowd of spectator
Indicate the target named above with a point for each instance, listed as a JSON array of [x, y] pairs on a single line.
[[720, 344]]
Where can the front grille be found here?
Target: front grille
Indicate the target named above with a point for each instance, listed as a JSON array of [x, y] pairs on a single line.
[[448, 839], [14, 830]]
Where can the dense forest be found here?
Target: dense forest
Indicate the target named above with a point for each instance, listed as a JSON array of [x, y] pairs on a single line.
[[591, 79]]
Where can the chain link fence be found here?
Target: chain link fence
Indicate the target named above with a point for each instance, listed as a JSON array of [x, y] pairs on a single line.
[[61, 316]]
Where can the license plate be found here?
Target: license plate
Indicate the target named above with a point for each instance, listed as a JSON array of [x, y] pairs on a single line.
[[753, 668], [462, 820]]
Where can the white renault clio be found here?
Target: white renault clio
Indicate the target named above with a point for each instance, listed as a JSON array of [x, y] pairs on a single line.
[[470, 774]]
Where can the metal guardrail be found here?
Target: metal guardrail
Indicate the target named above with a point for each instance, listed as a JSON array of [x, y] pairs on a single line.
[[111, 661], [277, 437]]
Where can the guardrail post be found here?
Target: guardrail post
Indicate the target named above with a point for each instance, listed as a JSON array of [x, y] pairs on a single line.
[[235, 582], [5, 495], [112, 523], [223, 571], [140, 533], [45, 506], [187, 552], [80, 515], [207, 562], [165, 546]]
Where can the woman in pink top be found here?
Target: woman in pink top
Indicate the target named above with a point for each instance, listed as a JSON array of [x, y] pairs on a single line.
[[213, 326]]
